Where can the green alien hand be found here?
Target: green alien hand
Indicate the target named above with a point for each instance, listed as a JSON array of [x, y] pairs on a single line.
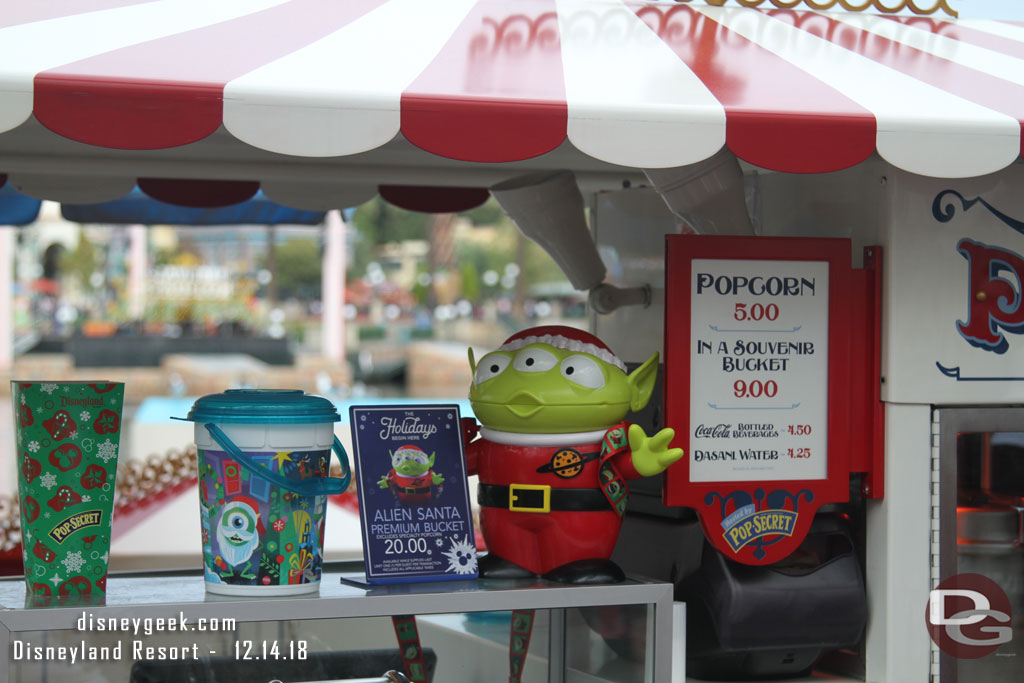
[[436, 478], [383, 482], [651, 455]]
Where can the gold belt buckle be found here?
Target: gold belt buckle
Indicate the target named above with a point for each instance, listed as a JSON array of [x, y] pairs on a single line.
[[512, 497]]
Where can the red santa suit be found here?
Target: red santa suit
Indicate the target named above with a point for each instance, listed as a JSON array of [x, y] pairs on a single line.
[[411, 490], [578, 478]]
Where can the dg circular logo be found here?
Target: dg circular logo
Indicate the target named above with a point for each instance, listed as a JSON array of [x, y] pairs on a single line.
[[968, 616]]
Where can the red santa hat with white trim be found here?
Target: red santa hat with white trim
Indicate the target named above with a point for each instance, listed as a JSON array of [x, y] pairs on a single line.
[[245, 500], [562, 337], [411, 449]]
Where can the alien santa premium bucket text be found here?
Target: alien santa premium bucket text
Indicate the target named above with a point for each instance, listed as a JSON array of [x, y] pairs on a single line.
[[264, 456]]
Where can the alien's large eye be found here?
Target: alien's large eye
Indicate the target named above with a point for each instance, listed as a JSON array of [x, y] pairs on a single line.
[[491, 365], [583, 371], [237, 520], [534, 360]]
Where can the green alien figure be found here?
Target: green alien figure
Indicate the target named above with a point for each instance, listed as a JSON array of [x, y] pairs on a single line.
[[554, 453], [411, 478]]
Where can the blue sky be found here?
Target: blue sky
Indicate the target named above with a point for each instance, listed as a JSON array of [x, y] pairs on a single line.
[[1011, 10]]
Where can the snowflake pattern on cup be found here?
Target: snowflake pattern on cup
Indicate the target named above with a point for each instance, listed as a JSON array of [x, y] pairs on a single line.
[[106, 450], [69, 433], [73, 561]]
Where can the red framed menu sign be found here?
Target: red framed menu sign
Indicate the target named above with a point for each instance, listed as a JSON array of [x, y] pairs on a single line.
[[757, 374]]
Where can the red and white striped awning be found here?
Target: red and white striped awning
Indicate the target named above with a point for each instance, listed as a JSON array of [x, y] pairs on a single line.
[[628, 84]]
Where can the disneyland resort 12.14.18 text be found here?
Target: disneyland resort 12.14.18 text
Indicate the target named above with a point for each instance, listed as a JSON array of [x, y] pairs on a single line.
[[138, 648]]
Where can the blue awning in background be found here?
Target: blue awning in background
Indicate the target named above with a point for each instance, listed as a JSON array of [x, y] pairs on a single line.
[[16, 208], [138, 208]]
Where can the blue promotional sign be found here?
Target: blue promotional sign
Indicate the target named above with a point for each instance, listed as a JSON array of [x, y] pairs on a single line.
[[413, 493]]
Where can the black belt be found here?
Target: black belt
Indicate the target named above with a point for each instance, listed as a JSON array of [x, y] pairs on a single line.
[[403, 489], [540, 498]]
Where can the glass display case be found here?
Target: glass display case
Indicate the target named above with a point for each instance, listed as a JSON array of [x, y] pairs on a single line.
[[165, 627], [980, 517]]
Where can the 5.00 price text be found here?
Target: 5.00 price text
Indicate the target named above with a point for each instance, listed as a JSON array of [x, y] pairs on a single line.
[[756, 312]]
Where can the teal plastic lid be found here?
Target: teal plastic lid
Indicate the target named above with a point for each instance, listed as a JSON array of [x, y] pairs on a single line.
[[263, 406]]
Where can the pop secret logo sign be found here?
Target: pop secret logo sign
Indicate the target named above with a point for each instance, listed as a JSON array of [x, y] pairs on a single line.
[[81, 520], [756, 369]]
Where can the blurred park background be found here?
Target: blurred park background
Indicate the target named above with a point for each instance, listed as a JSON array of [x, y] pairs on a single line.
[[414, 284], [177, 312]]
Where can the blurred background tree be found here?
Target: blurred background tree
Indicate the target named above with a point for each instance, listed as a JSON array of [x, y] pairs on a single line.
[[377, 222], [298, 268], [81, 262]]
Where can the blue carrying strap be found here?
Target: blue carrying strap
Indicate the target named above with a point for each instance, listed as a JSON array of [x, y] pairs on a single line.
[[319, 486]]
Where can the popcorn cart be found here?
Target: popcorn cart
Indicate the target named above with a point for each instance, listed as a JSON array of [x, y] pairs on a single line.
[[811, 212]]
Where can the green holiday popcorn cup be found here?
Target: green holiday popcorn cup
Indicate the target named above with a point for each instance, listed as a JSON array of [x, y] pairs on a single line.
[[67, 435]]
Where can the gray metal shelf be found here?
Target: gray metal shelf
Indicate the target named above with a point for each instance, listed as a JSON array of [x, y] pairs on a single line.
[[167, 596]]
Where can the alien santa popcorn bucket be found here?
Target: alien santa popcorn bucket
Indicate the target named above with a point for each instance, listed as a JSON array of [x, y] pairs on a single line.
[[67, 436], [264, 456]]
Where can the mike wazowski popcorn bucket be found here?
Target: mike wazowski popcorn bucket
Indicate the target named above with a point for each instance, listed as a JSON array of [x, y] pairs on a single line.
[[264, 457]]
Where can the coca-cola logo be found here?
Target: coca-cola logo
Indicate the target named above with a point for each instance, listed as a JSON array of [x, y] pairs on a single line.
[[719, 431]]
